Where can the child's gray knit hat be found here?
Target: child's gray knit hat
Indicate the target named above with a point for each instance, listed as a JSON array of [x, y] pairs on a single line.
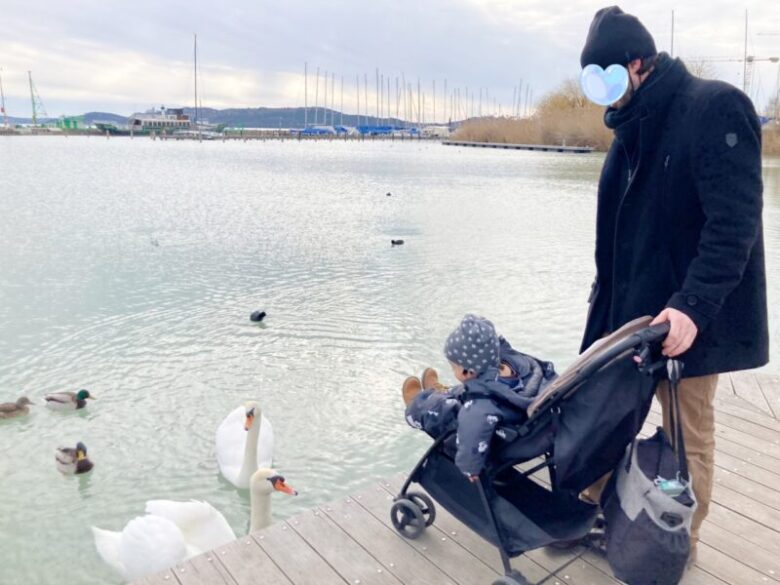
[[473, 345]]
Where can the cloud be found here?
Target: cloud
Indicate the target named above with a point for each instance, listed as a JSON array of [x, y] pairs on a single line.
[[126, 56]]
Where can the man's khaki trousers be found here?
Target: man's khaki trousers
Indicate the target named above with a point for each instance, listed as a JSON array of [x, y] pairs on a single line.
[[697, 413]]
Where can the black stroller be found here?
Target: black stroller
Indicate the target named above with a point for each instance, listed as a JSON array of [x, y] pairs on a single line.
[[580, 424]]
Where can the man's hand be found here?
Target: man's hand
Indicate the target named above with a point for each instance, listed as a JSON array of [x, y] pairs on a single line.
[[682, 331]]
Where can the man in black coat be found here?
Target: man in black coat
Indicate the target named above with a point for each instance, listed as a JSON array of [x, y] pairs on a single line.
[[678, 225]]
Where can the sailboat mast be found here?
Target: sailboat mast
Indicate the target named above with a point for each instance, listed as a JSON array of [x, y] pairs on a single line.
[[2, 100], [195, 60], [305, 94], [317, 97], [32, 99]]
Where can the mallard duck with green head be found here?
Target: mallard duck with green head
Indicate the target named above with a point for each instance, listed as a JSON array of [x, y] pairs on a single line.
[[14, 409], [68, 400], [73, 461]]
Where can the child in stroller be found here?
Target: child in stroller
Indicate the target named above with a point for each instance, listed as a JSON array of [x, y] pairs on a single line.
[[577, 428], [498, 383]]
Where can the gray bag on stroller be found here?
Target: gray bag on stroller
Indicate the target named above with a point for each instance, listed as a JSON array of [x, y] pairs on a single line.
[[649, 504]]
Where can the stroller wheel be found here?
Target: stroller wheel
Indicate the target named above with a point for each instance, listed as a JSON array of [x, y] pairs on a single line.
[[425, 504], [407, 518], [514, 579]]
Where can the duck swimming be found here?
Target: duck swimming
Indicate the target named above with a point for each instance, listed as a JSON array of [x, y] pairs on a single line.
[[14, 409], [73, 461], [68, 400], [257, 316]]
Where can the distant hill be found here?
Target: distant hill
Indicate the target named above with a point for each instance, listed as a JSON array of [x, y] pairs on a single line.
[[92, 117], [249, 117], [281, 117], [89, 118]]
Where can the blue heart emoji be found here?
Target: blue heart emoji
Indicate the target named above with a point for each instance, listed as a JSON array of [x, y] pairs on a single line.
[[604, 87]]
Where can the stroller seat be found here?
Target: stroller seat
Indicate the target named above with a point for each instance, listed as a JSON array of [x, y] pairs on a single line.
[[580, 425]]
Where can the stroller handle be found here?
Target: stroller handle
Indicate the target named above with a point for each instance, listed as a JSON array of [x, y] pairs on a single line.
[[648, 335], [655, 333]]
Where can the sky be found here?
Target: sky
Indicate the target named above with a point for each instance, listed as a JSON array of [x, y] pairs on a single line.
[[123, 57]]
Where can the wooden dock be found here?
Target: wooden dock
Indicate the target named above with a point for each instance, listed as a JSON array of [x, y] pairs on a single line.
[[507, 146], [351, 541]]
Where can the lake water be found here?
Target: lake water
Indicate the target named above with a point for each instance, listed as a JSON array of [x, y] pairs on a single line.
[[130, 267]]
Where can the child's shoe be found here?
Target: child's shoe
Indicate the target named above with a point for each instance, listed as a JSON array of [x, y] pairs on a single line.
[[430, 379], [410, 388]]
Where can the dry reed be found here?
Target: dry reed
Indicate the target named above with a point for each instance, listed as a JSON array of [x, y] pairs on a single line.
[[565, 116], [770, 139]]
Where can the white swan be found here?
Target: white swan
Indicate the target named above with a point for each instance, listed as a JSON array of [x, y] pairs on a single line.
[[245, 443], [172, 532]]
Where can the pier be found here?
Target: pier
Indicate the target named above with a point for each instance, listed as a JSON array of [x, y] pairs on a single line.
[[509, 146], [351, 541]]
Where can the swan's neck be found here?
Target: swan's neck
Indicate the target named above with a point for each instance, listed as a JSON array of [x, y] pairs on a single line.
[[249, 466], [260, 514]]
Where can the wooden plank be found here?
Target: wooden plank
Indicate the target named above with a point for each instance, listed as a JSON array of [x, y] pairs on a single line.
[[747, 454], [538, 562], [760, 431], [294, 556], [167, 577], [746, 506], [758, 535], [770, 386], [454, 560], [745, 386], [727, 568], [434, 559], [747, 470], [766, 448], [342, 553], [725, 385], [203, 569], [584, 572], [740, 550], [747, 487], [248, 564], [512, 146], [741, 409]]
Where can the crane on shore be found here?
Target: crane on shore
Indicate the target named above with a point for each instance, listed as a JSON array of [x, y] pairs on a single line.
[[37, 103], [748, 60]]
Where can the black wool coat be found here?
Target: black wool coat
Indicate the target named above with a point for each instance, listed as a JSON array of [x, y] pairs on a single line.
[[679, 219]]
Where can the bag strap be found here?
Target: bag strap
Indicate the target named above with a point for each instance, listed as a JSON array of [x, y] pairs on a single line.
[[674, 372], [637, 426]]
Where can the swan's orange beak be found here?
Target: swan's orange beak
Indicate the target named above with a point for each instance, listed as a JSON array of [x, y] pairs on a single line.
[[248, 422], [280, 486]]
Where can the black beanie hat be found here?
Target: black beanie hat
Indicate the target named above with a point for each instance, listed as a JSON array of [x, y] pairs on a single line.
[[615, 37]]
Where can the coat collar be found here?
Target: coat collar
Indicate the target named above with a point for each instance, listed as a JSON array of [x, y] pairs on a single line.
[[652, 97]]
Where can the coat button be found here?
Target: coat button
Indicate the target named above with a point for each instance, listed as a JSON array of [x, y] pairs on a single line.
[[692, 300]]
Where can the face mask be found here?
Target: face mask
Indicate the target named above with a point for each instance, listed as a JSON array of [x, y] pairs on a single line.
[[604, 87]]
